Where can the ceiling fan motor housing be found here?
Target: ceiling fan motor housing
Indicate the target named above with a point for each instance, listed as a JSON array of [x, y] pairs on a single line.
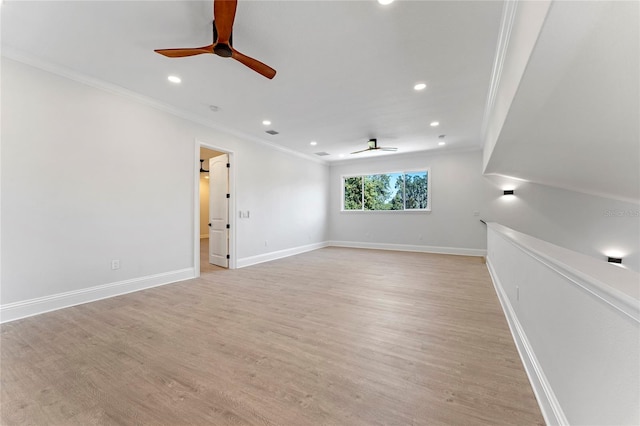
[[222, 50]]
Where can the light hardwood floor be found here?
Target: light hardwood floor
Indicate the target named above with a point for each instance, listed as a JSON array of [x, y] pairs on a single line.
[[332, 337]]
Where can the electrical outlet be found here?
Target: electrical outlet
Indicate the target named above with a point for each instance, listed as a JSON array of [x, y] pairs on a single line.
[[266, 243], [115, 264]]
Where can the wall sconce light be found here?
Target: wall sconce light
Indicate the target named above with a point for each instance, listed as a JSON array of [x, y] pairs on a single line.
[[614, 259], [508, 192]]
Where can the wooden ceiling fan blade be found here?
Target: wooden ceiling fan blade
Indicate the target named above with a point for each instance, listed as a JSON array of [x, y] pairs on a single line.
[[362, 150], [187, 51], [224, 13], [254, 64]]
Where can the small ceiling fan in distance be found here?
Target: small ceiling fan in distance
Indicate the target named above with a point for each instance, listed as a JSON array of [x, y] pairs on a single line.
[[373, 146], [224, 12]]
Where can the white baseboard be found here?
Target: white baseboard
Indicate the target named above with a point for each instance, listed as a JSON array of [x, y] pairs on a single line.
[[40, 305], [266, 257], [549, 404], [27, 308], [406, 247]]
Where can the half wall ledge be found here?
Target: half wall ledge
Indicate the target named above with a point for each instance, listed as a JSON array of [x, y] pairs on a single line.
[[575, 320]]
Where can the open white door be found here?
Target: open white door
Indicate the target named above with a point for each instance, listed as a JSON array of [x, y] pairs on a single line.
[[219, 211]]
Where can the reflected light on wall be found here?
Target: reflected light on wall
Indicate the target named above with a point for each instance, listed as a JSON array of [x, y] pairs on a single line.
[[611, 252]]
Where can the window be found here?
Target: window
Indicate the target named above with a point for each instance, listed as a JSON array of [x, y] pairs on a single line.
[[387, 191]]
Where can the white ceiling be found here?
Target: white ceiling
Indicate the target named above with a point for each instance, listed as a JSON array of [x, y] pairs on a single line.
[[346, 69]]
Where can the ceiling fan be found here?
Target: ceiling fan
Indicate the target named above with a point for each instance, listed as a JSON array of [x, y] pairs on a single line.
[[373, 145], [224, 12]]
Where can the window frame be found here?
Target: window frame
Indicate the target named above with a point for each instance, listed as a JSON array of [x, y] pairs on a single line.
[[404, 210]]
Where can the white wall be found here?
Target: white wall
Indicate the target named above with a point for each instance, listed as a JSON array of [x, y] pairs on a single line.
[[89, 176], [287, 200], [457, 190], [576, 324], [589, 224]]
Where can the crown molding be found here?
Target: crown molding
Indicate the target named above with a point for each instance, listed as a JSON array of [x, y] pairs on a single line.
[[24, 58], [509, 10]]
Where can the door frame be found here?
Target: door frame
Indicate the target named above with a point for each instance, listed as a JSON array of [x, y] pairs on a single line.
[[232, 204]]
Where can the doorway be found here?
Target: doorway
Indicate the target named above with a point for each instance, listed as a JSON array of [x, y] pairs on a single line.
[[214, 247]]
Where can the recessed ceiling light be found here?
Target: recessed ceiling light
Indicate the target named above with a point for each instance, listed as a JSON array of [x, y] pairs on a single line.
[[341, 155], [420, 86], [266, 122], [174, 79], [434, 124], [314, 143], [385, 2], [441, 143]]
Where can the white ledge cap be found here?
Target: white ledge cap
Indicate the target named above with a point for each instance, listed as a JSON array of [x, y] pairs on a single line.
[[617, 282]]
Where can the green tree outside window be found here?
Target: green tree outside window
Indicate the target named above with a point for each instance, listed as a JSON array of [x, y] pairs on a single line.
[[387, 191]]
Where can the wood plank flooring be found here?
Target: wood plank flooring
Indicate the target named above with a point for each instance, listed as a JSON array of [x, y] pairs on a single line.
[[332, 337]]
